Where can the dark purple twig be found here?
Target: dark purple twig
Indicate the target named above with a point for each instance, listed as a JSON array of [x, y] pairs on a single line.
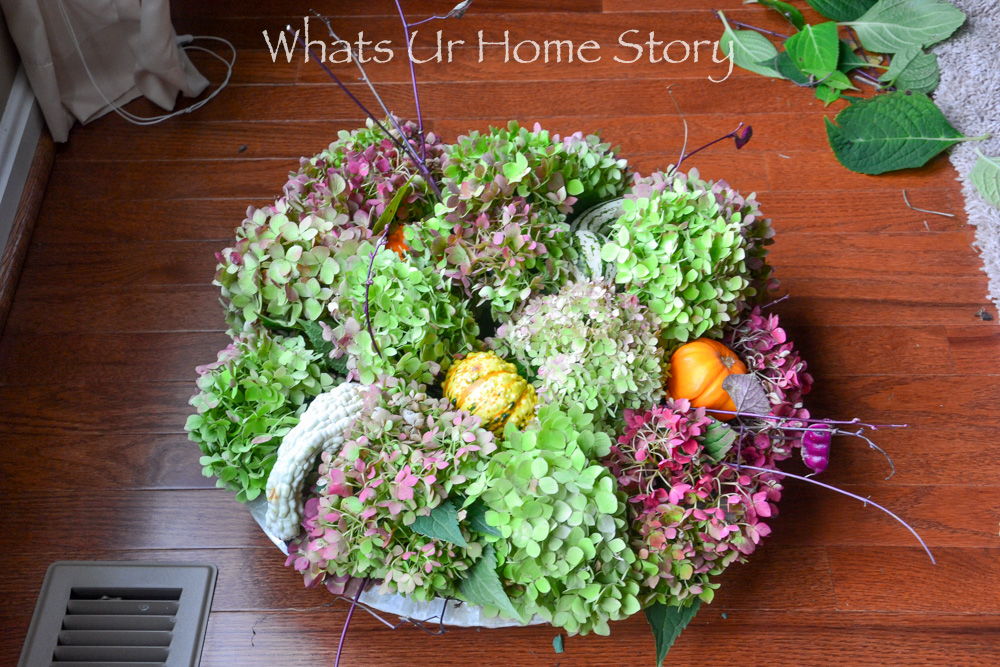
[[808, 420], [413, 78], [866, 501], [864, 54], [741, 140], [751, 27], [775, 302], [336, 79], [368, 285], [402, 143], [347, 621]]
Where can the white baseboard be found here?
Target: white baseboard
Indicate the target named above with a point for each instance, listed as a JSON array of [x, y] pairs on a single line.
[[20, 130]]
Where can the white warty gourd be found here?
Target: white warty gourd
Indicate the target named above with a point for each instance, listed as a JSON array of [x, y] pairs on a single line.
[[322, 427]]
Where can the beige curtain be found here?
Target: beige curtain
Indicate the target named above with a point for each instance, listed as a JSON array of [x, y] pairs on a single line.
[[129, 47]]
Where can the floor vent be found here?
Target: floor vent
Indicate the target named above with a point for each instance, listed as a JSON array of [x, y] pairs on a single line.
[[120, 615]]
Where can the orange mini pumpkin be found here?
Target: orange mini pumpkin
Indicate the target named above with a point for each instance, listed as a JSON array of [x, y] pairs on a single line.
[[396, 243], [697, 370]]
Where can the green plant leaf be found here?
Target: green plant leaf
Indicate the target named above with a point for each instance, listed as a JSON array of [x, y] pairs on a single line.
[[898, 63], [889, 132], [841, 10], [849, 60], [920, 74], [323, 348], [985, 175], [667, 622], [475, 517], [748, 49], [783, 63], [893, 25], [838, 81], [389, 214], [441, 524], [792, 14], [718, 439], [826, 94], [815, 49], [483, 586]]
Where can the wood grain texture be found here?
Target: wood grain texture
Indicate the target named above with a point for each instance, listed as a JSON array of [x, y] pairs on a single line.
[[115, 308], [15, 247]]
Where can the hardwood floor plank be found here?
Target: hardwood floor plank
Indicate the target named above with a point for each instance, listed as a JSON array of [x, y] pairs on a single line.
[[96, 408], [106, 461], [881, 578], [495, 101], [257, 579], [291, 139], [780, 638]]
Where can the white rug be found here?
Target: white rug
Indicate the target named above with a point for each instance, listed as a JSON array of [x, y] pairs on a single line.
[[969, 96]]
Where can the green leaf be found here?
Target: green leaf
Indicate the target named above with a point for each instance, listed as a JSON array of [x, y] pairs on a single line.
[[667, 622], [841, 10], [893, 25], [815, 49], [323, 348], [985, 175], [849, 60], [441, 524], [898, 63], [783, 63], [889, 132], [389, 213], [748, 49], [475, 517], [920, 74], [838, 81], [793, 15], [483, 586], [717, 440]]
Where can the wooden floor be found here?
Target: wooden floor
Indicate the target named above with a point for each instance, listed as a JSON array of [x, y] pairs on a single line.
[[115, 309]]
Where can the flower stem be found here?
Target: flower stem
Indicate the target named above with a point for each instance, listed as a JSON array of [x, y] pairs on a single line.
[[752, 27], [351, 95], [731, 135], [841, 491], [808, 420], [347, 621], [368, 286], [413, 78]]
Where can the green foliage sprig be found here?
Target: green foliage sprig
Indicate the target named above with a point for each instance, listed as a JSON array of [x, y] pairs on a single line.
[[904, 130]]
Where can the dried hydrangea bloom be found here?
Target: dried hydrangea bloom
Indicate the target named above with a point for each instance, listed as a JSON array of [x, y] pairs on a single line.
[[764, 347], [406, 454], [501, 231], [247, 401], [288, 257], [587, 345], [691, 516]]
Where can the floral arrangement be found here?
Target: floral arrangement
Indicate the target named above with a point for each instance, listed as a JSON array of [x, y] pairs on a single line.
[[568, 397]]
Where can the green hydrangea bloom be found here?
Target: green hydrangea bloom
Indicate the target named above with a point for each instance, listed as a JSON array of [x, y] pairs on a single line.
[[419, 322], [564, 551], [248, 400], [691, 250], [587, 345]]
